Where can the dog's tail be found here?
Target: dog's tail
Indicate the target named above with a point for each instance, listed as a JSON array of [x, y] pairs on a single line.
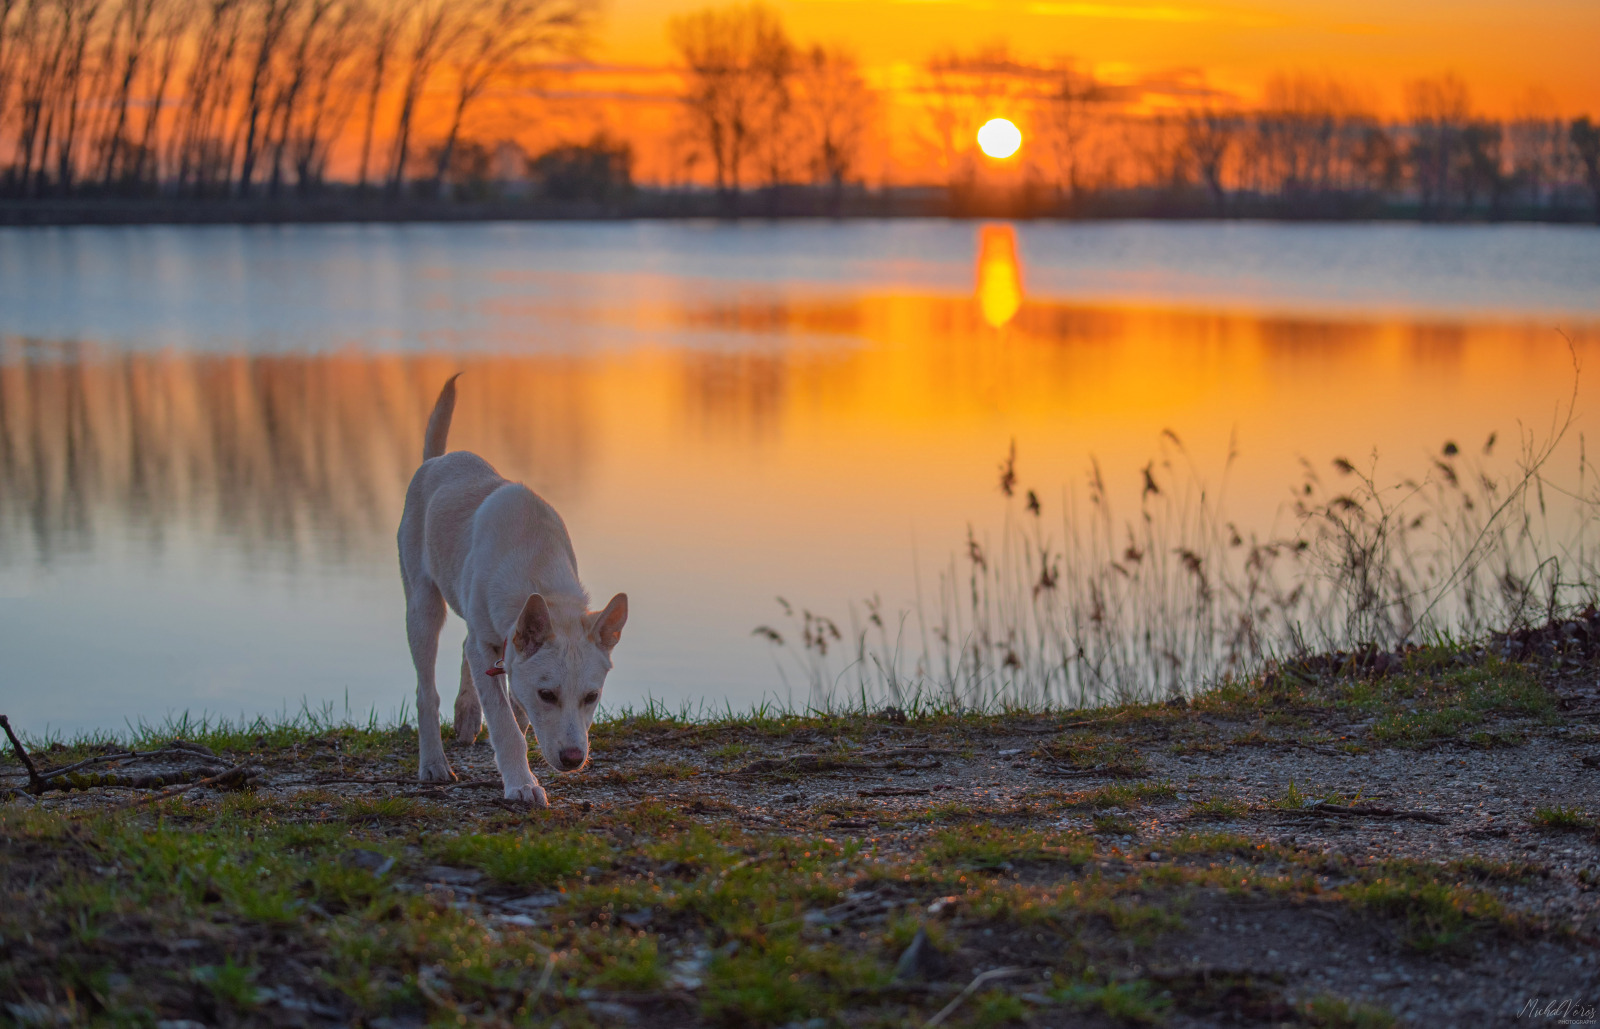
[[439, 422]]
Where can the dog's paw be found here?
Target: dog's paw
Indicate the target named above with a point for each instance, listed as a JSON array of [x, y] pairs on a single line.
[[435, 771], [532, 795]]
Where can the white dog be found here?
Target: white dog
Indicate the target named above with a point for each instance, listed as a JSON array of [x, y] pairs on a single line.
[[501, 558]]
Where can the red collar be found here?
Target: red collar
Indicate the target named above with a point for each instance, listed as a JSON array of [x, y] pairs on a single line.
[[498, 668]]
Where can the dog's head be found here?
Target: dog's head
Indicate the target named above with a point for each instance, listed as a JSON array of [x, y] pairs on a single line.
[[557, 664]]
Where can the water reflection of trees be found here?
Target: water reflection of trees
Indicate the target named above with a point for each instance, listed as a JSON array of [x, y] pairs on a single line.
[[300, 456], [306, 458]]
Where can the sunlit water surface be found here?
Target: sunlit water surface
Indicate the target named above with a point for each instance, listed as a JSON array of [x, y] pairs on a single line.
[[205, 434]]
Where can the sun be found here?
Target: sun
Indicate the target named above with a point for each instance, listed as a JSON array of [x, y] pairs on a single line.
[[999, 138]]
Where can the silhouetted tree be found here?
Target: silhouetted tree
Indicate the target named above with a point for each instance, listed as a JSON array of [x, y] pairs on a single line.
[[1069, 112], [738, 60], [1440, 110], [832, 106], [434, 32], [1209, 137], [494, 36], [384, 32], [1586, 141]]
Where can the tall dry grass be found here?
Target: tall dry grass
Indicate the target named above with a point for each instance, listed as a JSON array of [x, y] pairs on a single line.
[[1097, 606]]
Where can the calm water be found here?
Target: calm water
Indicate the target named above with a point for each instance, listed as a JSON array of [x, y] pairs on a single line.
[[205, 434]]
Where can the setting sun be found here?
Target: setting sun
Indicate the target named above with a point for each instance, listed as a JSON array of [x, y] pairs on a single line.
[[999, 138]]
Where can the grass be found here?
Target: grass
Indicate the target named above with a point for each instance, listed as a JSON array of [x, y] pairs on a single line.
[[1081, 607], [1084, 752], [1418, 708], [639, 897], [1435, 914], [1218, 809], [1563, 818], [530, 858]]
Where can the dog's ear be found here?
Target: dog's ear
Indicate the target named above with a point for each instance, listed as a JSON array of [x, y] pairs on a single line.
[[605, 628], [533, 626]]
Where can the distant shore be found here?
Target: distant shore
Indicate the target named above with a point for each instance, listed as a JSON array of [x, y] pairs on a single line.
[[350, 207]]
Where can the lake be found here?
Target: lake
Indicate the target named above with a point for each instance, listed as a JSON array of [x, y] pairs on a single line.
[[206, 433]]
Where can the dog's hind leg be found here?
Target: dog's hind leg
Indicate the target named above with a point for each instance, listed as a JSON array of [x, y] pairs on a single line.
[[424, 618], [469, 709]]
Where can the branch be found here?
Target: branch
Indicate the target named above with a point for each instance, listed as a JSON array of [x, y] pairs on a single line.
[[972, 987], [401, 782], [34, 782], [238, 775]]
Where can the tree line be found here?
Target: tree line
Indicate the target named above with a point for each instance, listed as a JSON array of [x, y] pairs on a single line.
[[235, 97], [256, 97]]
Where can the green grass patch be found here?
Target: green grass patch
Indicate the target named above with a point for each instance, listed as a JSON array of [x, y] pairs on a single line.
[[985, 846], [536, 857], [1563, 818], [1217, 809], [1434, 915], [1086, 752]]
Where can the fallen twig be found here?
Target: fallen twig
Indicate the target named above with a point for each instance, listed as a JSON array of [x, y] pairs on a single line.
[[893, 793], [174, 749], [64, 779], [238, 775], [22, 755], [972, 987], [828, 763], [1364, 811], [400, 782]]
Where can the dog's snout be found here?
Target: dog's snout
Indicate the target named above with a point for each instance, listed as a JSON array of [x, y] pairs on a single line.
[[571, 757]]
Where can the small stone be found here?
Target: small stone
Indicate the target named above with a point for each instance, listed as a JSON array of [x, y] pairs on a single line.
[[371, 860], [452, 876], [921, 960], [609, 1011], [533, 902]]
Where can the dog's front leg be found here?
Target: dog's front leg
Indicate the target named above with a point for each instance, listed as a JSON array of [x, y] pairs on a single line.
[[509, 741]]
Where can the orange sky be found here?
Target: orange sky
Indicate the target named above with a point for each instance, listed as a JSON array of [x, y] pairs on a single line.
[[1503, 49]]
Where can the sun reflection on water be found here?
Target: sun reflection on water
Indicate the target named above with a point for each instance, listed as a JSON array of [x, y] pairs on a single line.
[[999, 274]]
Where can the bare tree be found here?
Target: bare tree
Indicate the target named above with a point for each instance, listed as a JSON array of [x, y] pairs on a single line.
[[1208, 136], [10, 12], [177, 15], [385, 32], [434, 32], [1069, 111], [275, 15], [737, 61], [833, 106], [138, 16], [332, 94], [197, 147], [1440, 110], [497, 35], [43, 38], [303, 36], [1586, 141]]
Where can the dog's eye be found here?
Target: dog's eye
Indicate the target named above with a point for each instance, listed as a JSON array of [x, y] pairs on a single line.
[[591, 698], [549, 697]]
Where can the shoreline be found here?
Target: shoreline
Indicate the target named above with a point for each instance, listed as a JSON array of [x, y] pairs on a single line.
[[922, 203]]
